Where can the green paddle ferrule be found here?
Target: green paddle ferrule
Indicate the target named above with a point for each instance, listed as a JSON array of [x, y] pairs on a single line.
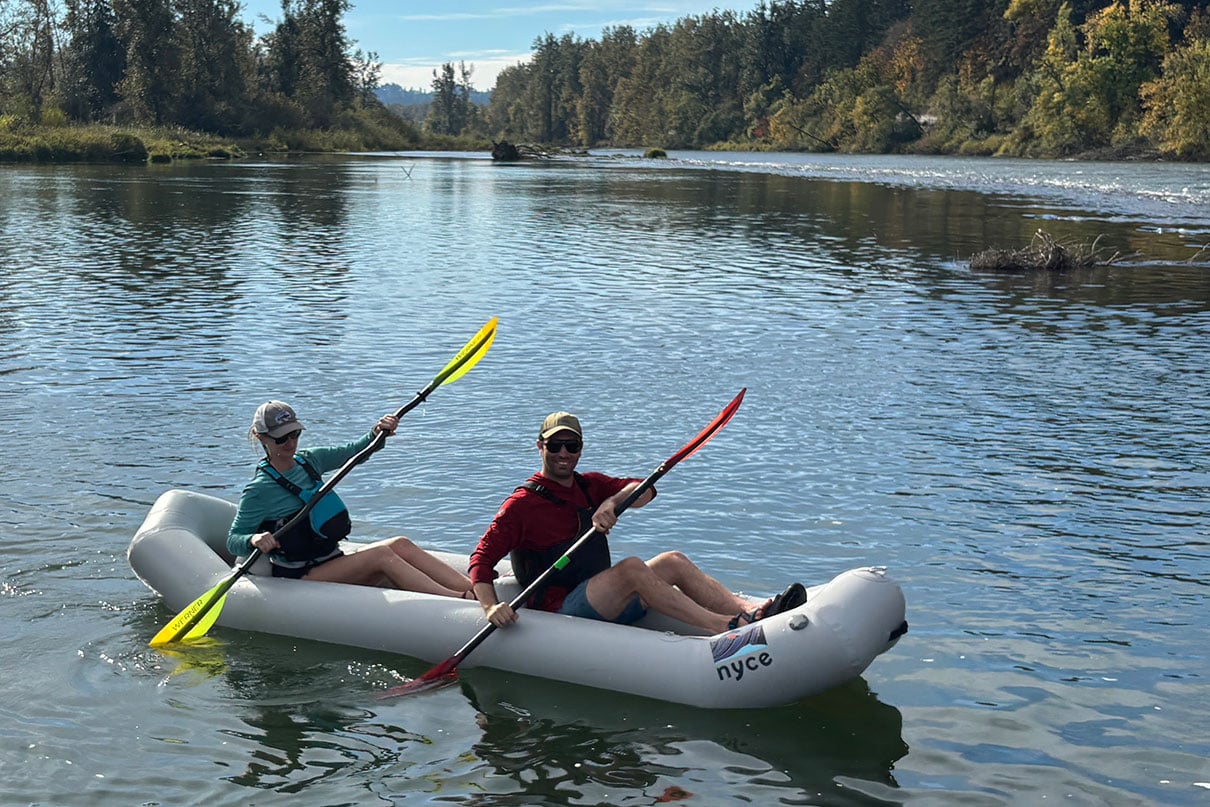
[[562, 562]]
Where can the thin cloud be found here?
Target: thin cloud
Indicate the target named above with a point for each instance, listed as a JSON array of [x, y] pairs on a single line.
[[418, 73]]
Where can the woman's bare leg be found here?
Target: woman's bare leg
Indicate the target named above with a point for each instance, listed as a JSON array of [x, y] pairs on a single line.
[[439, 571], [383, 562]]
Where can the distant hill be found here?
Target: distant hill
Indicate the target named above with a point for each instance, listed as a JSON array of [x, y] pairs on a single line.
[[394, 95]]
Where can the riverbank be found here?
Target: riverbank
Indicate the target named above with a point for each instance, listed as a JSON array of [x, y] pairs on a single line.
[[99, 143], [1137, 151]]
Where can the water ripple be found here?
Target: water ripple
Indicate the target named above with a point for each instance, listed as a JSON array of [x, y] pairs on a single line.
[[1026, 453]]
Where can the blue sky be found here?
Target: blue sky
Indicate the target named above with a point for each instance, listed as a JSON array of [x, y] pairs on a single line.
[[414, 38]]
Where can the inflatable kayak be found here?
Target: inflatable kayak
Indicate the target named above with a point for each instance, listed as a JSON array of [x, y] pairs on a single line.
[[180, 552]]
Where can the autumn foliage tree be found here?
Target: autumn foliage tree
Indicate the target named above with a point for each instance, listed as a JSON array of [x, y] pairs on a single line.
[[1087, 82], [1177, 104]]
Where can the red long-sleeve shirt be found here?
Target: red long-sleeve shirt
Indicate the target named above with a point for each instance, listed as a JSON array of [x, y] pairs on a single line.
[[528, 520]]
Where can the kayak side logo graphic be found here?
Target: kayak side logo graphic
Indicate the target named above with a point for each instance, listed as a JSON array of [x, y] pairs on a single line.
[[739, 652]]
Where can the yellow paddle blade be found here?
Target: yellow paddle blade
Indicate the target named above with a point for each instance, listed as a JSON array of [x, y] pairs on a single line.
[[206, 622], [469, 356], [202, 611]]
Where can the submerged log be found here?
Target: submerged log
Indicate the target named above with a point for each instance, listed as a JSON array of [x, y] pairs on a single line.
[[1044, 254]]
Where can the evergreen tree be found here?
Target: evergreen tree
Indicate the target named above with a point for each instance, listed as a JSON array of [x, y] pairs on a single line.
[[703, 103], [506, 112], [602, 68], [214, 46], [452, 111], [639, 117], [367, 74], [94, 61], [147, 29], [846, 32], [548, 103], [776, 38], [307, 59]]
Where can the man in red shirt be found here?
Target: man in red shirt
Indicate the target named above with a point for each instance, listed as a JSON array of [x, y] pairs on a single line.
[[543, 517]]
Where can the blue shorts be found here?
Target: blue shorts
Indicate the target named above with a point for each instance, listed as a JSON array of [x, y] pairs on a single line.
[[576, 604]]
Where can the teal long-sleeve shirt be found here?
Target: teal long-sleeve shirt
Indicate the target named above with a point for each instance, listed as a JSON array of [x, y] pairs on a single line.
[[264, 499]]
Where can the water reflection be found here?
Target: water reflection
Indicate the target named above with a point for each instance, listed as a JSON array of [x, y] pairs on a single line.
[[189, 233], [855, 222], [561, 740], [306, 719]]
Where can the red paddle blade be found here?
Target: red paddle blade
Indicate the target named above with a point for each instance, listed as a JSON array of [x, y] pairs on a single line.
[[444, 673], [712, 429]]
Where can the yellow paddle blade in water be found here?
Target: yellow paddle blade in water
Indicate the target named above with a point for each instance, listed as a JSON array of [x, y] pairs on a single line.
[[209, 605], [206, 622]]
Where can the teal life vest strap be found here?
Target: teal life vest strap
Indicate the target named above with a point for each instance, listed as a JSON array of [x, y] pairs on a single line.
[[277, 477], [328, 522]]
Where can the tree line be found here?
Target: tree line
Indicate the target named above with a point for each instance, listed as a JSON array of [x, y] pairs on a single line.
[[188, 63], [1021, 77]]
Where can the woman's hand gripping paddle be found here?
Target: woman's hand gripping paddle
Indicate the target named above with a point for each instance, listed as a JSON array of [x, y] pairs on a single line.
[[200, 615], [446, 671]]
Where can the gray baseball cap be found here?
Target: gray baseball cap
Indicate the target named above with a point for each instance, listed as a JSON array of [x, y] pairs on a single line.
[[275, 419]]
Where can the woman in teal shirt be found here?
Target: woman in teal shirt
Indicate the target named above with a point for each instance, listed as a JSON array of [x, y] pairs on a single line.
[[285, 480]]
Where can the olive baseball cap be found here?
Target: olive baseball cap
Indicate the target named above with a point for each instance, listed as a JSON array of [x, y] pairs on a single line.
[[558, 421], [275, 419]]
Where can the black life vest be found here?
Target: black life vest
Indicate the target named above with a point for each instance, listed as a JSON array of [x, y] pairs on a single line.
[[325, 527], [589, 560]]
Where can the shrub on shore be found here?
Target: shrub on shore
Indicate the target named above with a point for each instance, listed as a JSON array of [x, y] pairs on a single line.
[[99, 143]]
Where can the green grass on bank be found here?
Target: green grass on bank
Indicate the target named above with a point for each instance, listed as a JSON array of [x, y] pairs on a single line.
[[99, 143]]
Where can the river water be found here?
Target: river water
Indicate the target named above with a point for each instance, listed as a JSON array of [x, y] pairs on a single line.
[[1027, 454]]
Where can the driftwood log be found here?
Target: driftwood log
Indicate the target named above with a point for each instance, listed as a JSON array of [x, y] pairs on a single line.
[[505, 151], [1044, 254]]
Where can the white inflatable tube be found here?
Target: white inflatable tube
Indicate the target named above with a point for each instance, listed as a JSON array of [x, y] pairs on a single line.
[[180, 552]]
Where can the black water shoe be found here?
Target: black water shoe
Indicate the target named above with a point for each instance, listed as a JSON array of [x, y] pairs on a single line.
[[794, 596]]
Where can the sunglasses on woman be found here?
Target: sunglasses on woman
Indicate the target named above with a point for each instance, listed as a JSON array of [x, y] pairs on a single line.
[[285, 438], [572, 446]]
